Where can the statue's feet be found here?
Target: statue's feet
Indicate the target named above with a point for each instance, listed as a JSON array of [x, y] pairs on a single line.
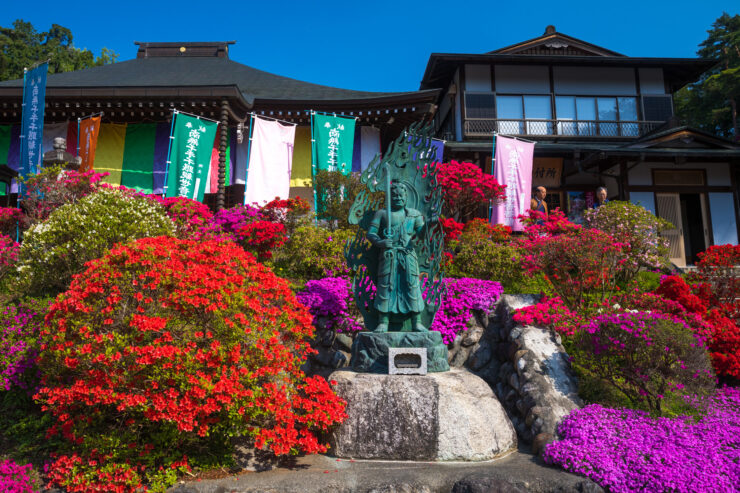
[[381, 328], [419, 328]]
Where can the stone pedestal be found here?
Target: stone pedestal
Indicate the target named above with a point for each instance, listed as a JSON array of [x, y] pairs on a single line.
[[370, 350], [437, 417]]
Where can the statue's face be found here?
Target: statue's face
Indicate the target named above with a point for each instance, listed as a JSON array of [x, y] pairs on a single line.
[[398, 195]]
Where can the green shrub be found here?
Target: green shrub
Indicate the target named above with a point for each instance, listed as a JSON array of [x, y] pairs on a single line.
[[55, 250], [312, 253], [477, 256], [639, 229], [650, 358], [335, 194]]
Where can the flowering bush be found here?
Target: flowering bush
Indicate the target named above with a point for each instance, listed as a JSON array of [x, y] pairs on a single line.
[[15, 478], [8, 254], [52, 188], [312, 253], [10, 220], [260, 237], [724, 333], [465, 188], [330, 300], [452, 229], [552, 313], [52, 252], [165, 347], [19, 333], [226, 223], [638, 229], [538, 224], [648, 357], [189, 216], [581, 264], [625, 450], [291, 213], [719, 269], [461, 298]]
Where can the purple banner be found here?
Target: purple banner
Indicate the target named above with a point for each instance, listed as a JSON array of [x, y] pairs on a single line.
[[513, 168]]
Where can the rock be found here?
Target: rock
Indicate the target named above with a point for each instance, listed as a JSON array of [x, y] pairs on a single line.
[[401, 488], [540, 441], [344, 342], [441, 416], [472, 336], [480, 356], [370, 350], [514, 381], [458, 357]]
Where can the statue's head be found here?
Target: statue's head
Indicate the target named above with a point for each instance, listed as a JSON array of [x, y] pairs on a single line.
[[60, 143], [398, 195]]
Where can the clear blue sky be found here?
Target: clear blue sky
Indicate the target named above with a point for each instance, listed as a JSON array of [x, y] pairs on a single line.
[[373, 45]]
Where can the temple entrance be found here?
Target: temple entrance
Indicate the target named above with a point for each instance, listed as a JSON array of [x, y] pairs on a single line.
[[690, 234]]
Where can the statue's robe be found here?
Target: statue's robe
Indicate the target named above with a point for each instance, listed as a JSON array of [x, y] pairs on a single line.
[[398, 287]]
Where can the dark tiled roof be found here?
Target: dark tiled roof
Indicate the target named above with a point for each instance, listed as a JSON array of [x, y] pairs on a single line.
[[204, 71]]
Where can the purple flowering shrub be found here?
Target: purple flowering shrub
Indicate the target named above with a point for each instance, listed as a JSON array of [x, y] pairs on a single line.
[[15, 478], [226, 223], [625, 450], [330, 301], [647, 357], [19, 333], [463, 296]]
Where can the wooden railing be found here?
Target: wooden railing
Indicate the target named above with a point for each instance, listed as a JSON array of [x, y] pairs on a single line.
[[485, 127]]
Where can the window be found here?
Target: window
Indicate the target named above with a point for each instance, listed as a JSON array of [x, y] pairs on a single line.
[[628, 113], [510, 107], [596, 116], [538, 108]]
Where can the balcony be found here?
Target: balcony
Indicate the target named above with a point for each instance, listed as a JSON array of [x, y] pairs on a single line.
[[485, 127]]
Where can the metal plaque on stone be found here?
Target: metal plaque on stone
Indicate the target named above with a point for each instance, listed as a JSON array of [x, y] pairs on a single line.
[[407, 361]]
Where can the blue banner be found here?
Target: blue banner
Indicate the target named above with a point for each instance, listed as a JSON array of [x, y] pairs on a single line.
[[32, 126]]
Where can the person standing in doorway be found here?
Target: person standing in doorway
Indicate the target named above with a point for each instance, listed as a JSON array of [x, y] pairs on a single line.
[[601, 199], [538, 201]]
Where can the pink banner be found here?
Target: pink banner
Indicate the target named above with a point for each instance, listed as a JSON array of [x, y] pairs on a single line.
[[270, 161], [513, 168]]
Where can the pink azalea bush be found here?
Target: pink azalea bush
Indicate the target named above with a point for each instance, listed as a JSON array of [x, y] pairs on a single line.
[[331, 299], [624, 450], [19, 333]]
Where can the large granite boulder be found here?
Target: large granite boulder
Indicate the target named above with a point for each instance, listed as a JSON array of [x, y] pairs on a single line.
[[440, 416]]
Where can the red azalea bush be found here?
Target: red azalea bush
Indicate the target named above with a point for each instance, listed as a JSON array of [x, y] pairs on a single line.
[[290, 213], [582, 265], [8, 254], [189, 216], [10, 220], [719, 269], [452, 229], [54, 187], [552, 313], [260, 237], [165, 347], [555, 223], [465, 188], [724, 339]]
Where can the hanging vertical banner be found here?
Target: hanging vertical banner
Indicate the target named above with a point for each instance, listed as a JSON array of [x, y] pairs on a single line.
[[190, 156], [89, 130], [513, 168], [32, 126], [334, 139], [270, 161]]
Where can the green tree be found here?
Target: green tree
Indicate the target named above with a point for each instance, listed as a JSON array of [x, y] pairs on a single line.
[[22, 46], [712, 102]]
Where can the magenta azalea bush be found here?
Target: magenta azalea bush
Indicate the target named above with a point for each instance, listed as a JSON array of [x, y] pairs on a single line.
[[19, 333], [463, 296], [625, 450], [330, 299], [15, 478]]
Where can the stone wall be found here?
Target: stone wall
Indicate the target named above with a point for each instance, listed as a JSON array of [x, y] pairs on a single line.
[[526, 366]]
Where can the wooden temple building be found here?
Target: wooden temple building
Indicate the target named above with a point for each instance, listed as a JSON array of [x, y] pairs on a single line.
[[199, 78], [598, 118]]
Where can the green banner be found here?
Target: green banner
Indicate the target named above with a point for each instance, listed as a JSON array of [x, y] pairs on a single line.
[[138, 157], [190, 156], [334, 140]]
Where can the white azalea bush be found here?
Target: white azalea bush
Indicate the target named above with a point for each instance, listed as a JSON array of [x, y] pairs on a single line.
[[55, 250]]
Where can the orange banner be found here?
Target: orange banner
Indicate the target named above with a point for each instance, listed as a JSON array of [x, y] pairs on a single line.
[[89, 128]]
